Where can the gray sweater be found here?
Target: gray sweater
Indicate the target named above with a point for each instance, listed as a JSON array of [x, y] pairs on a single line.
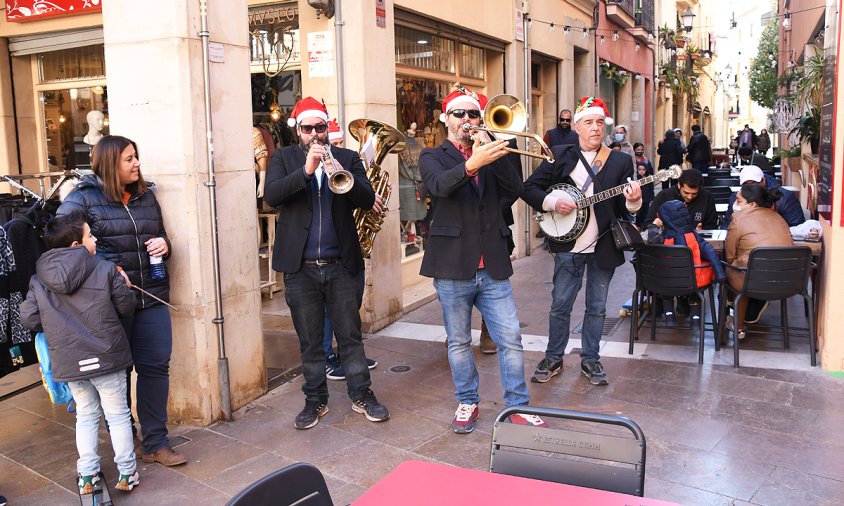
[[76, 299]]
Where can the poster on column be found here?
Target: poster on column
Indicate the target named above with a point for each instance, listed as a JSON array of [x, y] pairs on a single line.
[[32, 10], [321, 54]]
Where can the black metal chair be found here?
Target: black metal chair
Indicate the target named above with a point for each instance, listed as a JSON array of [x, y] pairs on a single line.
[[772, 274], [669, 271], [300, 484], [725, 181], [575, 457], [721, 194]]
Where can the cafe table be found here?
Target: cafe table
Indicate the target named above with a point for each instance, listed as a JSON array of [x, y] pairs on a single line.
[[416, 483]]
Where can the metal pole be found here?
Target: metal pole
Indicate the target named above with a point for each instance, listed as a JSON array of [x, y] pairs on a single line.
[[222, 362], [338, 48], [526, 161]]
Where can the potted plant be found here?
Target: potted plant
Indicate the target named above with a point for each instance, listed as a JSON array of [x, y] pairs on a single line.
[[808, 128], [790, 158]]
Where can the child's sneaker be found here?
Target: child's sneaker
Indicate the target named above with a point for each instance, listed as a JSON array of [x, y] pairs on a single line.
[[88, 484], [127, 482]]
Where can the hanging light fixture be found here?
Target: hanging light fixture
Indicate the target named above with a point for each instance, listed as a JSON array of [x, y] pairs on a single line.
[[566, 30], [602, 39], [615, 36], [786, 21], [637, 47], [585, 33], [688, 18]]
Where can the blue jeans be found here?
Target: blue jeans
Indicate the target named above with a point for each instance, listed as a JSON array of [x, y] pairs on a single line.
[[568, 278], [494, 299], [95, 397], [308, 292], [328, 329], [151, 336]]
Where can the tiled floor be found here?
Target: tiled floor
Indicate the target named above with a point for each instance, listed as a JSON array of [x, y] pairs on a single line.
[[716, 434]]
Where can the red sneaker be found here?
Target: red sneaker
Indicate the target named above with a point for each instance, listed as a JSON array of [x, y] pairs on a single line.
[[465, 418]]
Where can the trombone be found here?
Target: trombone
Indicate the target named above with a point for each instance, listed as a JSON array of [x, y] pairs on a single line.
[[507, 118]]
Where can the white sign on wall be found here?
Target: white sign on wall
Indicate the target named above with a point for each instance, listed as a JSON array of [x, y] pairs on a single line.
[[321, 54]]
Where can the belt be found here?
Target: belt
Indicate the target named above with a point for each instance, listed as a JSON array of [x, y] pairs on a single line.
[[322, 261]]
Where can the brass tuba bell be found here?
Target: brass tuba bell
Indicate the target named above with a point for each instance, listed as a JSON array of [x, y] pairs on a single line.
[[377, 140]]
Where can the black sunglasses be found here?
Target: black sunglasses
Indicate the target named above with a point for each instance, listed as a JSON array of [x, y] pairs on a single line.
[[460, 113], [567, 120], [320, 128]]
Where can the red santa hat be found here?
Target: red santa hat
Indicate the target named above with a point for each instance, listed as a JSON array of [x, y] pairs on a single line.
[[592, 105], [462, 96], [334, 131], [308, 107]]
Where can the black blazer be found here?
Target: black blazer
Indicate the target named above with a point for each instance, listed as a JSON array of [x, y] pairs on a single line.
[[467, 219], [615, 172], [287, 187]]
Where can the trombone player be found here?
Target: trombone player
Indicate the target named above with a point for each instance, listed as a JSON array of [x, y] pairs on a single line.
[[467, 253], [318, 250]]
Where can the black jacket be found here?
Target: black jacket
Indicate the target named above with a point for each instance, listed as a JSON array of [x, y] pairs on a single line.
[[701, 209], [698, 150], [615, 172], [77, 300], [467, 220], [121, 232], [670, 153], [287, 187]]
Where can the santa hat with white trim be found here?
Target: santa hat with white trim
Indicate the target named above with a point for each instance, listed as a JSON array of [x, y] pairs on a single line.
[[334, 131], [592, 105], [462, 96], [308, 107]]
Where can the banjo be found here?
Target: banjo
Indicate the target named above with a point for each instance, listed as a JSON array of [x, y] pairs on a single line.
[[568, 227]]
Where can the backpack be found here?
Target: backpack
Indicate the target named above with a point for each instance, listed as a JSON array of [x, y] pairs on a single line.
[[704, 273], [58, 390]]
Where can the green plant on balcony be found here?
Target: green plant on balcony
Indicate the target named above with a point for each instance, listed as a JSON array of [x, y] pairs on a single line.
[[667, 37], [615, 74]]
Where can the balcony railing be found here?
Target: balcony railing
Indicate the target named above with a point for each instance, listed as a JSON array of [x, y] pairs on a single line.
[[645, 14]]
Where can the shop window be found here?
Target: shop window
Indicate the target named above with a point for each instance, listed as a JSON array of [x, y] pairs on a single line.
[[472, 61], [87, 62], [424, 50], [274, 38], [273, 98], [74, 120]]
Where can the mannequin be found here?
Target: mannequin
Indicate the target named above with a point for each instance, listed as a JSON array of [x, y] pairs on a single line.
[[260, 153], [411, 132], [96, 120]]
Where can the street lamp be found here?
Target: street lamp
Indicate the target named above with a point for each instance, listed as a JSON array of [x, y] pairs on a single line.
[[688, 19], [728, 71]]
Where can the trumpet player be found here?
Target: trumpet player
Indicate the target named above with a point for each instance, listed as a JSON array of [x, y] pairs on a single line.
[[468, 256], [318, 251]]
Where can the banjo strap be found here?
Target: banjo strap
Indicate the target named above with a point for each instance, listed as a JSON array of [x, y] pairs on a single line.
[[597, 165]]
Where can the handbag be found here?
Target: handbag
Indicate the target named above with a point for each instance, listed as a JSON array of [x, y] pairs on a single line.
[[625, 235]]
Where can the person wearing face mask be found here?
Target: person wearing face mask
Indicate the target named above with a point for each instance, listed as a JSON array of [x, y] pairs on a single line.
[[562, 133], [755, 224], [318, 250], [619, 135], [788, 206], [640, 158]]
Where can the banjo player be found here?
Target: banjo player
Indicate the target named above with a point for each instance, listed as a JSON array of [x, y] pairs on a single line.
[[592, 249]]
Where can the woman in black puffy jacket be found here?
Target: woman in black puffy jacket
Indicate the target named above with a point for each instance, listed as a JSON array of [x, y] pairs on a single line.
[[670, 153], [125, 218]]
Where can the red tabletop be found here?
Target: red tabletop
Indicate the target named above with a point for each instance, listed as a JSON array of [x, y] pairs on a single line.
[[424, 483]]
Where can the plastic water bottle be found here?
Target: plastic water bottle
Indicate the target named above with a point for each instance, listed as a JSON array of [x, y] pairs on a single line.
[[156, 268]]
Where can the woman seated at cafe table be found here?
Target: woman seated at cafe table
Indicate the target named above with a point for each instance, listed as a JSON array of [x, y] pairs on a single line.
[[755, 224]]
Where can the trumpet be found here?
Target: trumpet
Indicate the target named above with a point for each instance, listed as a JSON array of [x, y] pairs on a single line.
[[507, 119], [340, 180]]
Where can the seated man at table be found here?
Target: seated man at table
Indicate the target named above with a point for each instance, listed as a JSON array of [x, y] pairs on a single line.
[[749, 157], [788, 206], [690, 190]]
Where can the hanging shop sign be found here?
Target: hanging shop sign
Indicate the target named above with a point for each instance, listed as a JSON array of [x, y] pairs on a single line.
[[32, 10]]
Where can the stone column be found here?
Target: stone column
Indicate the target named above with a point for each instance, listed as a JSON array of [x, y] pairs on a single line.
[[8, 134], [155, 85], [370, 92]]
